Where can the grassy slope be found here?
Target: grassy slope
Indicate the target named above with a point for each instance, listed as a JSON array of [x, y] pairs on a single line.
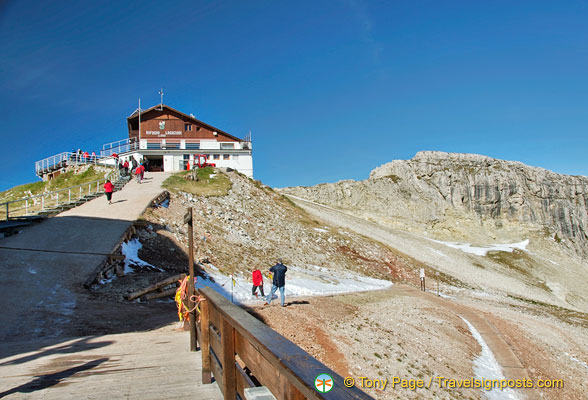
[[62, 181], [205, 185]]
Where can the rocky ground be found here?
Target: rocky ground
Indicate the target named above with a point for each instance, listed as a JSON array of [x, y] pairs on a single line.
[[378, 334]]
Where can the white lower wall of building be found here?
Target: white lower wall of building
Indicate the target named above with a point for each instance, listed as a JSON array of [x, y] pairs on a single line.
[[174, 161]]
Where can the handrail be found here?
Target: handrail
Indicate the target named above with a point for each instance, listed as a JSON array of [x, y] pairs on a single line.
[[5, 207], [242, 352], [60, 160], [119, 147]]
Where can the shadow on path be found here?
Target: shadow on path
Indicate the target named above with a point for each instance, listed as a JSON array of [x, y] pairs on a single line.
[[44, 381]]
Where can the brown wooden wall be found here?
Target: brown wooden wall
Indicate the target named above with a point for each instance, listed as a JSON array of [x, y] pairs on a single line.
[[173, 122]]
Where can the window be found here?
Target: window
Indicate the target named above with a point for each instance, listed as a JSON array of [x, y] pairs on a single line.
[[153, 145], [187, 127], [172, 145], [216, 156], [226, 157], [227, 145], [192, 146]]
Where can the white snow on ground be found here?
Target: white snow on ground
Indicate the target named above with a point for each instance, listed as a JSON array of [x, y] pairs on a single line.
[[437, 252], [320, 230], [582, 363], [299, 282], [483, 250], [131, 252], [486, 367]]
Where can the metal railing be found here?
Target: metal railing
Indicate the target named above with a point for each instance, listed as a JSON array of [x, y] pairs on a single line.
[[62, 160], [33, 205], [119, 147]]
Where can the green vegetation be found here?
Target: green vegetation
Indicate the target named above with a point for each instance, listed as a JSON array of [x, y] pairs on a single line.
[[208, 183], [64, 180]]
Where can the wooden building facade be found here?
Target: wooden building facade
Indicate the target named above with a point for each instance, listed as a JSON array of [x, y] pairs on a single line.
[[170, 139]]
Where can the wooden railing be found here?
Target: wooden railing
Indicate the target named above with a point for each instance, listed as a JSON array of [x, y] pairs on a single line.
[[242, 352]]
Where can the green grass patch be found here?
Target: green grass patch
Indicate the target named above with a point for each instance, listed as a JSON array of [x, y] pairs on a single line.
[[63, 181], [208, 183]]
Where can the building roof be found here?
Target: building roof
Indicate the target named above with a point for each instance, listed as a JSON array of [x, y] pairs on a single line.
[[158, 107]]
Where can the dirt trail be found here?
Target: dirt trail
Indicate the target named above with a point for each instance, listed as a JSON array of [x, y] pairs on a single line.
[[505, 356]]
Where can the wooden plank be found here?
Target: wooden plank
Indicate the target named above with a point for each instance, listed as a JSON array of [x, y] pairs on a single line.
[[265, 372], [155, 286], [298, 367], [242, 382], [228, 360], [158, 295], [217, 370], [204, 337], [214, 338]]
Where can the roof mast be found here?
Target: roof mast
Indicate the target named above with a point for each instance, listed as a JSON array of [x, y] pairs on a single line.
[[161, 103]]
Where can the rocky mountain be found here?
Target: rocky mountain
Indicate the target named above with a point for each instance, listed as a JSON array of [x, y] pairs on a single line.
[[465, 197]]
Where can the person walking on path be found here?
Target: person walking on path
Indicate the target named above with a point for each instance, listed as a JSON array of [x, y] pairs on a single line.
[[108, 189], [138, 174], [126, 167], [278, 281], [257, 283]]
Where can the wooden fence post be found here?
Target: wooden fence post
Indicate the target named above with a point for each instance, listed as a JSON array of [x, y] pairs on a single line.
[[205, 341], [229, 370]]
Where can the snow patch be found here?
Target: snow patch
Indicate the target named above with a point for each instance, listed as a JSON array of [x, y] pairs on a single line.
[[311, 281], [486, 367], [582, 363], [320, 230], [131, 252], [483, 250]]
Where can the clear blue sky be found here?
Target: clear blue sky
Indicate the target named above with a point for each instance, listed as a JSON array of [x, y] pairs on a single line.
[[329, 89]]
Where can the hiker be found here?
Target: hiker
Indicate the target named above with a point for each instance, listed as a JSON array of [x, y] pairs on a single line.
[[257, 283], [146, 164], [108, 189], [134, 164], [422, 276], [138, 174], [126, 167], [278, 281]]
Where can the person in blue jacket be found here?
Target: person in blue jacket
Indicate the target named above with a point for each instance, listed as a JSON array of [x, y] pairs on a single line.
[[278, 281]]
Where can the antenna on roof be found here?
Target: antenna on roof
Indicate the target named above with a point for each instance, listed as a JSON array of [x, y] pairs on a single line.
[[161, 103]]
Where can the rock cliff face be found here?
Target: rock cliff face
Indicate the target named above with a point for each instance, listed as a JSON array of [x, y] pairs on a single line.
[[465, 196]]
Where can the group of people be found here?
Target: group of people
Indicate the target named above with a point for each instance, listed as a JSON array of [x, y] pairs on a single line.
[[124, 167], [278, 276], [82, 156]]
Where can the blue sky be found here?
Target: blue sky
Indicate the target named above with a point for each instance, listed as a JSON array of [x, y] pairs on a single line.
[[329, 89]]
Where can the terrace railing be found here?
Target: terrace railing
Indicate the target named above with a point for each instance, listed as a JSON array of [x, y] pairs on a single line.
[[119, 147], [62, 160]]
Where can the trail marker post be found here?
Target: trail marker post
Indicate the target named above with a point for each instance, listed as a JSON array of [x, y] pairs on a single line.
[[188, 220], [422, 276]]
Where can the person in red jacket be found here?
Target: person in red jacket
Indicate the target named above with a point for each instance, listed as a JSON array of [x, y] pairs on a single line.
[[257, 283], [108, 189]]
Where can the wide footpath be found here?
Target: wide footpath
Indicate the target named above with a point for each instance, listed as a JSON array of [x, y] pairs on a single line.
[[41, 297]]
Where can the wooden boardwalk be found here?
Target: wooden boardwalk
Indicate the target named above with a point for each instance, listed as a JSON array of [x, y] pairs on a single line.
[[140, 365]]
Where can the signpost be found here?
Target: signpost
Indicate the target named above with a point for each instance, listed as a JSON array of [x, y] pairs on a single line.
[[188, 220], [422, 276]]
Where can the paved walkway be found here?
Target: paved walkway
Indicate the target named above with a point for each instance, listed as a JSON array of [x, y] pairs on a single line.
[[41, 297]]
